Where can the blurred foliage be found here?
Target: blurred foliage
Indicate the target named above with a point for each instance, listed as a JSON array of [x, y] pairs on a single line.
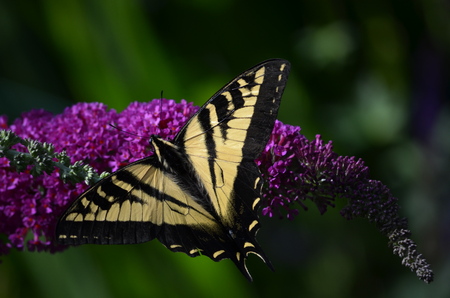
[[371, 76]]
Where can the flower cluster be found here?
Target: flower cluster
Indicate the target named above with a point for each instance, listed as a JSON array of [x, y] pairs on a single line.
[[295, 169], [30, 203]]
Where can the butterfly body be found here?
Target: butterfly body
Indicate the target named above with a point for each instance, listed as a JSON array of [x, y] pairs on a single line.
[[198, 194]]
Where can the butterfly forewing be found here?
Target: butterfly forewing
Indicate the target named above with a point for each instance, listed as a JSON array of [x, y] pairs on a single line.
[[200, 194], [130, 206], [226, 135]]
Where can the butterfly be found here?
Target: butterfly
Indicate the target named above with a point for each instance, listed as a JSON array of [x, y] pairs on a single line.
[[198, 194]]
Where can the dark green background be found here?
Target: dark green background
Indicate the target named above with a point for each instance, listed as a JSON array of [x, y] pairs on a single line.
[[373, 76]]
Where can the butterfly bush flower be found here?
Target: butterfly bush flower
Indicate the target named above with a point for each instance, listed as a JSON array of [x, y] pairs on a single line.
[[295, 169], [32, 205]]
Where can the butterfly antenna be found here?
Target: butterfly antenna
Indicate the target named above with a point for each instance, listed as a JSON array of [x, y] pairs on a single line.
[[125, 131]]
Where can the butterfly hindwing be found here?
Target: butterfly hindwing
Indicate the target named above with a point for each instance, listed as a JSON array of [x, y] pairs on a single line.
[[198, 194]]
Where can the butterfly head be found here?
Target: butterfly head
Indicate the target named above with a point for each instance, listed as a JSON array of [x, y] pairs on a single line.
[[163, 148]]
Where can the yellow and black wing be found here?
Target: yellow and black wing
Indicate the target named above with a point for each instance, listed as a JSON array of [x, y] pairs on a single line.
[[198, 194]]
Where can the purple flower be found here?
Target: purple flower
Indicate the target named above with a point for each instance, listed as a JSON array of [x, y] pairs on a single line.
[[30, 204], [295, 169]]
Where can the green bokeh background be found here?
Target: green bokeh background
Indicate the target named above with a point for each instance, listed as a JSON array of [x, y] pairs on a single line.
[[373, 76]]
